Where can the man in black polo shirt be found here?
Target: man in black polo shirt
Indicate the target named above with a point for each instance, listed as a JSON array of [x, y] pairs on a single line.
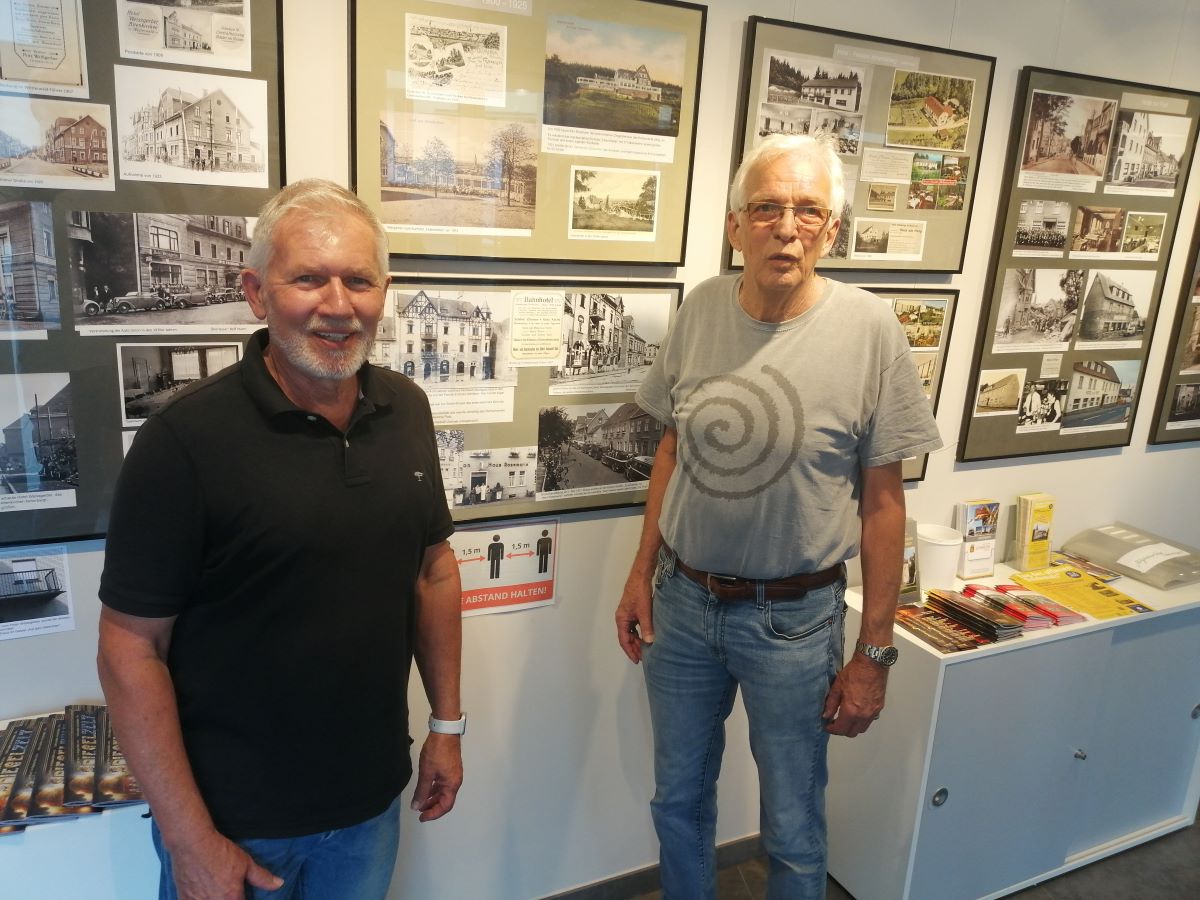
[[276, 559]]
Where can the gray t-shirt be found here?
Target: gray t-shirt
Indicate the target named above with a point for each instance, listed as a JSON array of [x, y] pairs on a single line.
[[775, 422]]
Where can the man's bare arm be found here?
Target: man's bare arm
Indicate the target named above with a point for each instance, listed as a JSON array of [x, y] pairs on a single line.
[[438, 654]]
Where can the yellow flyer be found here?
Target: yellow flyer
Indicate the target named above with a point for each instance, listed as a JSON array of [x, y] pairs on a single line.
[[1080, 591]]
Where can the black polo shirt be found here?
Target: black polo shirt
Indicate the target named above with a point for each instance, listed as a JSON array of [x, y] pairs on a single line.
[[289, 553]]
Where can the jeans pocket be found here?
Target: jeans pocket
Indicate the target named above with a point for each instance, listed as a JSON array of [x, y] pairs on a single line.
[[795, 620]]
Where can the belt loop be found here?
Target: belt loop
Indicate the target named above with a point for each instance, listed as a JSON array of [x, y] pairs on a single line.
[[760, 594]]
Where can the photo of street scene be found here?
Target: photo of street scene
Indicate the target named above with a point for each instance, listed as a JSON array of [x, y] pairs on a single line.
[[925, 362], [1190, 362], [1101, 395], [42, 48], [37, 458], [457, 175], [871, 236], [55, 144], [1042, 228], [1147, 153], [446, 337], [158, 273], [922, 320], [999, 392], [929, 110], [595, 449], [1066, 141], [29, 299], [881, 197], [814, 95], [1042, 405], [939, 181], [191, 127], [485, 478], [1143, 234], [609, 341], [1037, 309], [455, 61], [151, 374], [1115, 306], [35, 592], [613, 77], [209, 33], [1185, 404], [1097, 230], [613, 204]]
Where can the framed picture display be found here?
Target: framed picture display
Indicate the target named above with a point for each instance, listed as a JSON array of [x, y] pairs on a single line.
[[927, 315], [138, 141], [908, 121], [557, 131], [531, 383], [1095, 177], [1177, 413]]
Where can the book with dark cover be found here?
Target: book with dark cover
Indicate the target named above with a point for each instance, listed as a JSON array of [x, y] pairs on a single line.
[[17, 748], [80, 766], [115, 784], [48, 789]]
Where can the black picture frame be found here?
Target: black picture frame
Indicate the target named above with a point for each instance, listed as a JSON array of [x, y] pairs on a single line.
[[1177, 410]]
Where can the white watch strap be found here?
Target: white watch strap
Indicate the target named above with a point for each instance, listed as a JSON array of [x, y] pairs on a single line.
[[449, 726]]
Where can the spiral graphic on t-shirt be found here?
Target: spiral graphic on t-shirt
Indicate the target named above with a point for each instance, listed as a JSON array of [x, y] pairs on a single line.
[[740, 436]]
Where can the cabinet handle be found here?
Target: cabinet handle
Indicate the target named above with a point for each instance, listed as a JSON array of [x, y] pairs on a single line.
[[1081, 754], [940, 797]]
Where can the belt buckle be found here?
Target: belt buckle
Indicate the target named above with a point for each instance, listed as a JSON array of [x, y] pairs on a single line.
[[718, 584]]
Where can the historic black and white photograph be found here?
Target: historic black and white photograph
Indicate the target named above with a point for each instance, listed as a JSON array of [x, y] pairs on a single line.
[[1185, 405], [447, 337], [939, 181], [1042, 405], [882, 197], [208, 33], [1042, 228], [1066, 142], [151, 374], [42, 48], [191, 127], [158, 273], [1096, 231], [38, 468], [485, 479], [618, 85], [922, 320], [1037, 309], [29, 295], [1000, 392], [1115, 307], [455, 61], [55, 144], [441, 174], [810, 95], [1147, 153], [35, 592], [929, 110], [1142, 237], [1189, 363], [872, 235], [609, 341], [1101, 395], [613, 204], [595, 449]]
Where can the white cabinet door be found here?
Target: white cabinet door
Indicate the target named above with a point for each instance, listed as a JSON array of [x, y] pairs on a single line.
[[1008, 727]]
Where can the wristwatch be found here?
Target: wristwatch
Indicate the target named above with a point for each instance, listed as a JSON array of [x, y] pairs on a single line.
[[885, 656], [448, 726]]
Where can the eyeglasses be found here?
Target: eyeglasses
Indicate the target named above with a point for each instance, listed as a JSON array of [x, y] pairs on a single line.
[[764, 213]]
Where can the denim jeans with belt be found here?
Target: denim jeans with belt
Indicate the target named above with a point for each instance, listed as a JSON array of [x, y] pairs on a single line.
[[353, 862], [784, 655]]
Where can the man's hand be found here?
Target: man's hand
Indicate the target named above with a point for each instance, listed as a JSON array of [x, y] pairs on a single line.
[[855, 698], [439, 776], [217, 869], [635, 621]]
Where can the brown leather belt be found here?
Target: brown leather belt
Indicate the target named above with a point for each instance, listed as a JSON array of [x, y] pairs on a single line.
[[730, 587]]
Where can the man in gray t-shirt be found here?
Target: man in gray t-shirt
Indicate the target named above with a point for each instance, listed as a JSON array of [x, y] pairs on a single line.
[[789, 402]]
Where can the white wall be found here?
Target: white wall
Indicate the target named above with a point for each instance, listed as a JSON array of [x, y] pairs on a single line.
[[558, 754]]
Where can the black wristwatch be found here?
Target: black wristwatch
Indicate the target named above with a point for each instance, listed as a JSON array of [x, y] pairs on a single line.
[[885, 656]]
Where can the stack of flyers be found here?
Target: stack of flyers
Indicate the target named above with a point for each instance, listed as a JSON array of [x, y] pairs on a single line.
[[972, 614], [1029, 617], [1063, 558], [945, 635], [115, 784], [1061, 615]]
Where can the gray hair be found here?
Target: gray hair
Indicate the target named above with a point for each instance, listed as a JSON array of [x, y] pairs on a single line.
[[821, 148], [315, 197]]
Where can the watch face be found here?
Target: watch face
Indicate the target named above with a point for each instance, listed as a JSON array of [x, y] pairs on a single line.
[[888, 655]]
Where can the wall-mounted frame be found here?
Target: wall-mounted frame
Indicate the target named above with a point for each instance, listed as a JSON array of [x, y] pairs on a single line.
[[126, 191], [1094, 181], [1177, 413], [531, 383], [927, 315], [557, 131], [908, 120]]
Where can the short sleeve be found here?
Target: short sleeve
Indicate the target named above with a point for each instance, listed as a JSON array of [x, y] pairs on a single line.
[[903, 424]]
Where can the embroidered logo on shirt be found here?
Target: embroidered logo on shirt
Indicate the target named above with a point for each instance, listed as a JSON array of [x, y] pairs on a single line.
[[418, 475], [740, 435]]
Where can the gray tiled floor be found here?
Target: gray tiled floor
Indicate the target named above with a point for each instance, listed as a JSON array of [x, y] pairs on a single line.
[[1164, 869]]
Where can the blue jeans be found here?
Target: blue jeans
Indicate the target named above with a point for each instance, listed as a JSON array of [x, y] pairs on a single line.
[[784, 655], [354, 862]]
